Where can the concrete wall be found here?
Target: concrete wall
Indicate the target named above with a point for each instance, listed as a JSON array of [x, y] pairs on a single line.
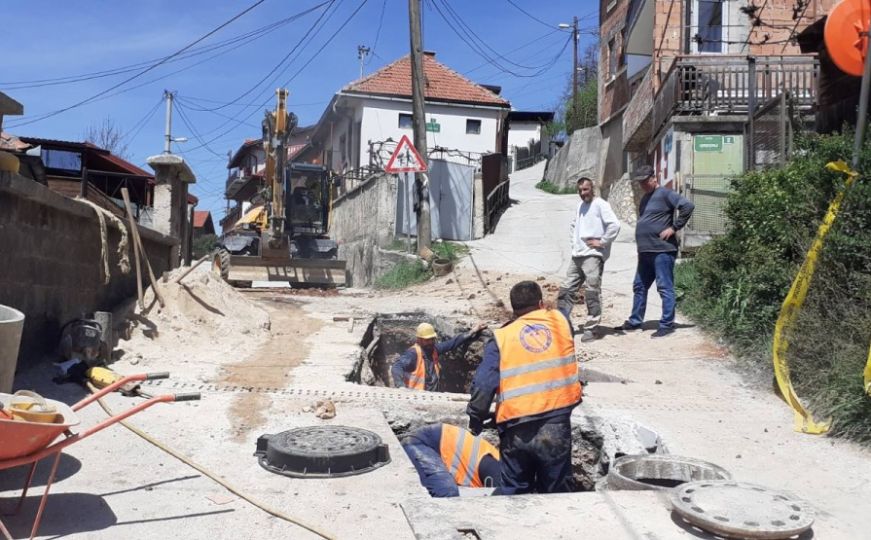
[[363, 220], [51, 268], [580, 156]]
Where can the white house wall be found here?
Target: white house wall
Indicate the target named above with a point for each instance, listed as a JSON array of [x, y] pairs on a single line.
[[380, 121], [521, 133]]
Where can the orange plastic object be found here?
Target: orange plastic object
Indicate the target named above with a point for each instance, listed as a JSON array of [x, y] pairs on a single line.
[[20, 438], [846, 35]]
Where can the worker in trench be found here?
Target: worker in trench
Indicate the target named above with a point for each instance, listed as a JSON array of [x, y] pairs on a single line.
[[448, 456], [419, 368], [529, 367]]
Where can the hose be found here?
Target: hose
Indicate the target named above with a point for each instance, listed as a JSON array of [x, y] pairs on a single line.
[[229, 487]]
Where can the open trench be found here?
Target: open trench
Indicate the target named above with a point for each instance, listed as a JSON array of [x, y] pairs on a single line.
[[596, 440]]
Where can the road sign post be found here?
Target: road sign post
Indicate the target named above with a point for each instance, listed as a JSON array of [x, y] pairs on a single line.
[[406, 160]]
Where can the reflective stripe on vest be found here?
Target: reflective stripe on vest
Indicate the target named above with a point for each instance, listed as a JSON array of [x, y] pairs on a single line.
[[462, 453], [416, 380], [537, 367]]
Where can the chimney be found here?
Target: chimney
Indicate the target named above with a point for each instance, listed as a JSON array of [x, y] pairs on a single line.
[[429, 53]]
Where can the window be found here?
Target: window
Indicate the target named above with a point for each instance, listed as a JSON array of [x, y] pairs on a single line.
[[62, 159], [405, 121], [613, 58], [709, 26], [473, 127]]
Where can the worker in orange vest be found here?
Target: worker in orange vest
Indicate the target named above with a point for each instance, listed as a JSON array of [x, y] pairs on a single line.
[[447, 456], [529, 367], [419, 368]]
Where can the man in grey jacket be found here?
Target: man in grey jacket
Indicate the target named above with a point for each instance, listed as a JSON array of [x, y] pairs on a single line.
[[593, 229]]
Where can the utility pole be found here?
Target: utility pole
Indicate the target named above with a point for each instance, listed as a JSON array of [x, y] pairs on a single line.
[[362, 53], [574, 62], [418, 120], [168, 131]]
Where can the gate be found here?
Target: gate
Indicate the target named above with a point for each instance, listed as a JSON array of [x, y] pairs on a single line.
[[450, 198]]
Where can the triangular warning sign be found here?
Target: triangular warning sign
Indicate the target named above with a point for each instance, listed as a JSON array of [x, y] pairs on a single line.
[[405, 158]]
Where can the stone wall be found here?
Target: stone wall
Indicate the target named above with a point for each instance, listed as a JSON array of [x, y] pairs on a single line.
[[579, 156], [51, 267]]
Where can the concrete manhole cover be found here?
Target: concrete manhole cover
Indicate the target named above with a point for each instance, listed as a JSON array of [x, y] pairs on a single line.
[[742, 510], [322, 452]]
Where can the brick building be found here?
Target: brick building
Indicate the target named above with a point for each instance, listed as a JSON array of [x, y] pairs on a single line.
[[677, 82]]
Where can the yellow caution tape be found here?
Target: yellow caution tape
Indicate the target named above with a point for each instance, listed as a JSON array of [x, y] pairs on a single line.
[[868, 373], [804, 421]]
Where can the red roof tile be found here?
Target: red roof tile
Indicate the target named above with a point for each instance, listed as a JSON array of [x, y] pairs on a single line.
[[200, 218], [442, 84]]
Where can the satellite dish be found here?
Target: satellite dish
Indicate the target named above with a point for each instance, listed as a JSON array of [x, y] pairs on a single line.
[[846, 35]]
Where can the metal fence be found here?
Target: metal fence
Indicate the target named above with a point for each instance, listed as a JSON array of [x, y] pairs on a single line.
[[769, 133], [708, 193]]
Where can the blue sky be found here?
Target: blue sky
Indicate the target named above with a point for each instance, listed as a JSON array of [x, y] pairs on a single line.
[[52, 39]]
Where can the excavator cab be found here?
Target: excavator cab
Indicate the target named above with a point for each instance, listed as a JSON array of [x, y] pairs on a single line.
[[307, 211]]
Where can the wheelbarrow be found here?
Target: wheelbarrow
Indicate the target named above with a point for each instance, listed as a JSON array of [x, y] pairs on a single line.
[[27, 443]]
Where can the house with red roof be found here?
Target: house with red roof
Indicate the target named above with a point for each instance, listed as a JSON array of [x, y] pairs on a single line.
[[365, 119], [203, 223]]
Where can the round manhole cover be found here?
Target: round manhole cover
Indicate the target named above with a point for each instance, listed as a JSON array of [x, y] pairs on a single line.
[[322, 451], [742, 510]]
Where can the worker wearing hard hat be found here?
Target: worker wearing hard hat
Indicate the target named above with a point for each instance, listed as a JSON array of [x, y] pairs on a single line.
[[418, 368], [447, 456]]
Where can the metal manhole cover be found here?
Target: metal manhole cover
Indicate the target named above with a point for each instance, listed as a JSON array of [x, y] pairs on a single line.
[[742, 510], [322, 452]]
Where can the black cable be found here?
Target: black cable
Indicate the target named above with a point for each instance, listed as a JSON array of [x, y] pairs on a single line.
[[142, 72], [277, 66], [186, 121], [531, 16], [246, 38], [133, 132], [377, 34], [315, 55]]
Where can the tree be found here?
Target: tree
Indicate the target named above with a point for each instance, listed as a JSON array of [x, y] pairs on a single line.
[[107, 135], [585, 112]]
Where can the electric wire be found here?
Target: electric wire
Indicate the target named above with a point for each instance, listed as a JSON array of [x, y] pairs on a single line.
[[377, 34], [295, 75], [134, 131], [278, 66], [527, 44], [533, 17], [246, 38], [179, 108], [139, 73]]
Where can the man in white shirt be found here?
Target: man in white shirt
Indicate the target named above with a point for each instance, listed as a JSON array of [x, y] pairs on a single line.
[[593, 230]]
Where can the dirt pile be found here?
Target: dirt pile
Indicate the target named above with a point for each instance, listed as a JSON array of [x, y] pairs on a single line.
[[204, 320]]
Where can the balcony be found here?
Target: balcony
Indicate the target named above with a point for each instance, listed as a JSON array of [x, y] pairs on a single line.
[[731, 85], [242, 184]]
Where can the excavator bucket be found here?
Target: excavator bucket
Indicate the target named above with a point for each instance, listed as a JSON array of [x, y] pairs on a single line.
[[243, 270]]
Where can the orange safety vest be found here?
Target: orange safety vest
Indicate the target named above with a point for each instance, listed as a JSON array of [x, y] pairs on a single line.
[[416, 380], [537, 367], [462, 453]]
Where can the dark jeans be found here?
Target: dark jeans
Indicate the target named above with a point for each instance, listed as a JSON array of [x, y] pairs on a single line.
[[536, 457], [652, 267], [432, 471]]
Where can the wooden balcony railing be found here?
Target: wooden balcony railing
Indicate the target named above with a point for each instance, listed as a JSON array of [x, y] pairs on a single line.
[[725, 84]]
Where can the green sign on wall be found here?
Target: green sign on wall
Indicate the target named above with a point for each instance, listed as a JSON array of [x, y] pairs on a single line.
[[709, 143], [433, 127]]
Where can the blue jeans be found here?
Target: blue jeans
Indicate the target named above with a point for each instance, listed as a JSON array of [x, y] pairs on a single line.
[[652, 267], [536, 457], [432, 471]]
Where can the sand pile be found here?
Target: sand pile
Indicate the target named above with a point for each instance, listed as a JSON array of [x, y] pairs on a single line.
[[204, 322]]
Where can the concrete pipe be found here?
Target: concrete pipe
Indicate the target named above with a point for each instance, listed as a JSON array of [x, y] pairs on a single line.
[[11, 324]]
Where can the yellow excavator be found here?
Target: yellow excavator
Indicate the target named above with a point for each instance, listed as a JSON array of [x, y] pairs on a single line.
[[285, 238]]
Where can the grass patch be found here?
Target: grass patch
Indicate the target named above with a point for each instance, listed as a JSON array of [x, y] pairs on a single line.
[[404, 274], [401, 244], [449, 250], [544, 185]]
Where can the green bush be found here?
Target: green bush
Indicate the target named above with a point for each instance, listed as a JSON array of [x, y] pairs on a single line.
[[736, 284], [449, 250], [203, 244], [404, 274]]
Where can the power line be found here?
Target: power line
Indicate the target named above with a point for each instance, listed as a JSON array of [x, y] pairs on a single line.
[[180, 110], [134, 131], [142, 72], [377, 33], [246, 38], [277, 66], [533, 17], [287, 83]]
